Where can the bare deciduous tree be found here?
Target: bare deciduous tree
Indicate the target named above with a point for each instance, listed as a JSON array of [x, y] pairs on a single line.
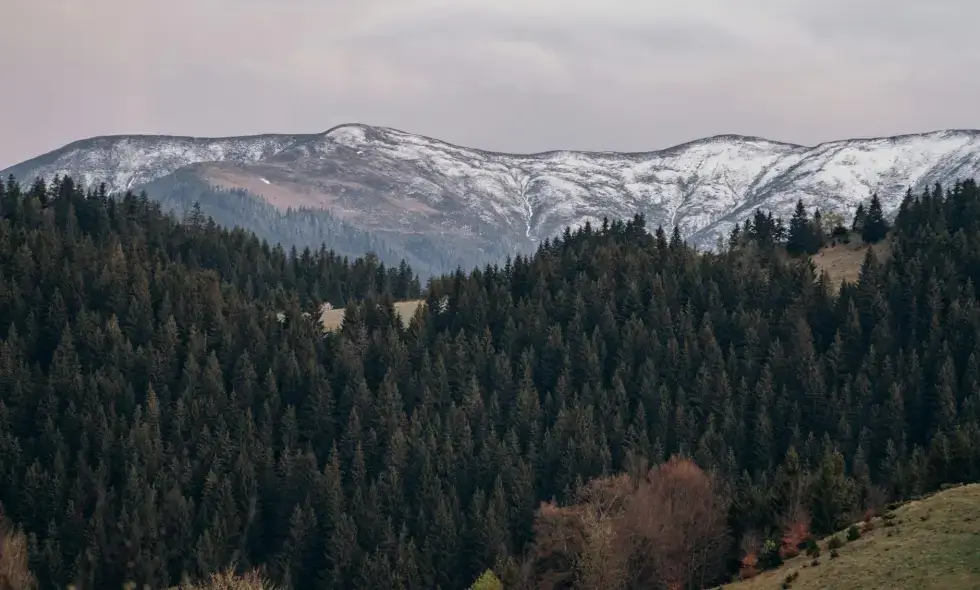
[[15, 574], [581, 545], [676, 522], [665, 528]]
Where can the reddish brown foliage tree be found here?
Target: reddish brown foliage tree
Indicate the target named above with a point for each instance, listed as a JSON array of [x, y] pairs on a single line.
[[666, 529], [796, 533], [749, 567], [751, 545], [676, 522]]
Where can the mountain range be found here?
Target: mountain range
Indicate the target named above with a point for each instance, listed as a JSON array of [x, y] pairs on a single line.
[[437, 205]]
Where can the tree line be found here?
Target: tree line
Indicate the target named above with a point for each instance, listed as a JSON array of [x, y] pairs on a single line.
[[806, 234]]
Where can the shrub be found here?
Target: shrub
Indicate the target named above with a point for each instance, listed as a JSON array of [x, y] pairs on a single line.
[[749, 567], [770, 555], [853, 533], [796, 537], [834, 554], [834, 543], [487, 581], [228, 580], [813, 550], [751, 546]]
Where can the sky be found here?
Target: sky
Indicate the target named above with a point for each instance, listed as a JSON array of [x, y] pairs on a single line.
[[505, 75]]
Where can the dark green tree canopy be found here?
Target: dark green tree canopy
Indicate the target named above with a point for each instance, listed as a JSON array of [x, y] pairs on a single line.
[[170, 405]]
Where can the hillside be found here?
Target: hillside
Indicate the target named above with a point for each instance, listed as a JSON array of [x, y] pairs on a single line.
[[170, 404], [842, 261], [449, 206], [933, 543]]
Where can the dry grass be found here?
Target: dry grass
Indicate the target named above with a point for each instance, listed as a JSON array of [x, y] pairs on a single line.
[[333, 318], [15, 573], [843, 261], [228, 580], [930, 543]]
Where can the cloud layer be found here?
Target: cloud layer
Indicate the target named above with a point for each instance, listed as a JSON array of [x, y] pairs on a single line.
[[512, 75]]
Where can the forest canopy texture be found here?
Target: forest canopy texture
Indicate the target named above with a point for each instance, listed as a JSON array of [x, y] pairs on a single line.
[[170, 406]]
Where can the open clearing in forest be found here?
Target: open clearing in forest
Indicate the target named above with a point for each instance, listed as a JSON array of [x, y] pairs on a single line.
[[334, 318], [932, 543], [843, 261]]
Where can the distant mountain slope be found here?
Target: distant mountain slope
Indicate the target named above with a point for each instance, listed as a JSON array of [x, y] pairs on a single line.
[[127, 161], [480, 205]]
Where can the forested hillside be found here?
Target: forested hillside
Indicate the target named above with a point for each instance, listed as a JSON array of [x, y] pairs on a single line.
[[312, 228], [616, 394]]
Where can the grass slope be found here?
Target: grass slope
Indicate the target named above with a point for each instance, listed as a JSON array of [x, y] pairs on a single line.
[[843, 261], [929, 543], [334, 318]]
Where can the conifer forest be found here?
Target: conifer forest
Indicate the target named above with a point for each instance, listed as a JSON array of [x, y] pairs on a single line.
[[617, 410]]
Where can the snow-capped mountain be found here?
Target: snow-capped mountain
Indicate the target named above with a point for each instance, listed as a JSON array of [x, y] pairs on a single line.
[[127, 161], [398, 185]]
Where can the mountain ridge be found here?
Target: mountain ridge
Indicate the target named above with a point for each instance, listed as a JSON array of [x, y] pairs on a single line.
[[305, 136], [484, 204]]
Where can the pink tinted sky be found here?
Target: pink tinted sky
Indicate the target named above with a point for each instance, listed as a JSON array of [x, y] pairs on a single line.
[[510, 75]]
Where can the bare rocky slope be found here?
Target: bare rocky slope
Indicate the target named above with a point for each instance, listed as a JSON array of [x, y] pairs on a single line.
[[445, 205]]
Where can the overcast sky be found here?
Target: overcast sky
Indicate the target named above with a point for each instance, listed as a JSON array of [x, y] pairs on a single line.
[[509, 75]]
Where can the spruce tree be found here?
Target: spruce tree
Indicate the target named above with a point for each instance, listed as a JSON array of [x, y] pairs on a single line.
[[875, 226], [800, 239], [818, 231], [860, 215]]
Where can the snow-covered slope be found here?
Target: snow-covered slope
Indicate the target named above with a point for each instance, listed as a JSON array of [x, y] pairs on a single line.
[[397, 183], [127, 161]]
